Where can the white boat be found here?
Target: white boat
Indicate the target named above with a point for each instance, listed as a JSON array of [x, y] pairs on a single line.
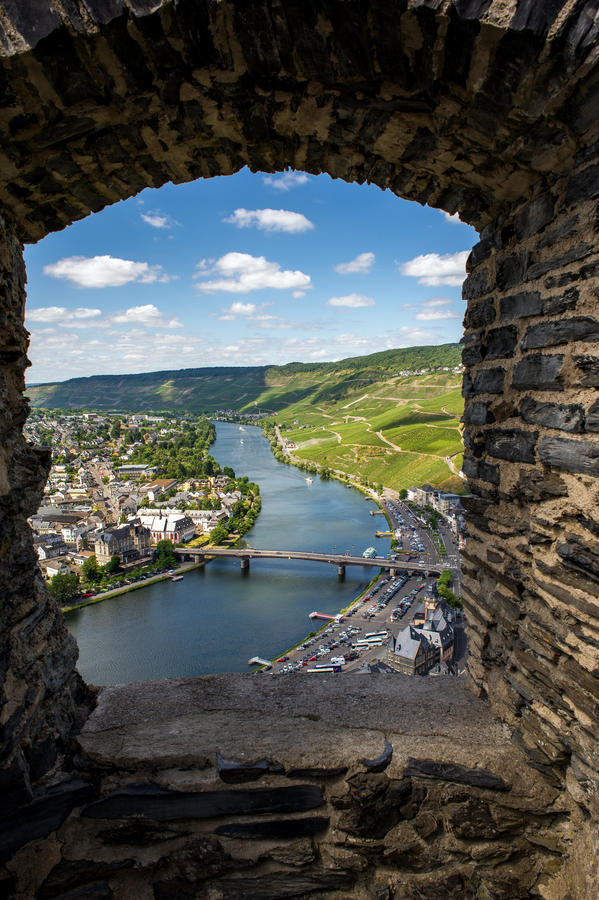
[[241, 440], [241, 428], [369, 553], [176, 577], [308, 480]]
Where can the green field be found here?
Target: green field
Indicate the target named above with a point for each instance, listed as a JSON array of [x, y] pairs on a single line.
[[419, 415]]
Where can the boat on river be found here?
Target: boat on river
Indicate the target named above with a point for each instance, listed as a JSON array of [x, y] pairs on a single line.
[[308, 480], [176, 577]]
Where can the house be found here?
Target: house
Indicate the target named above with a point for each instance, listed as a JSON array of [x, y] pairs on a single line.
[[176, 527], [160, 486], [128, 541], [52, 547], [52, 567], [427, 642], [411, 653]]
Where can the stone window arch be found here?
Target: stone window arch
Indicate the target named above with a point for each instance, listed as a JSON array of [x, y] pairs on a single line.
[[483, 107]]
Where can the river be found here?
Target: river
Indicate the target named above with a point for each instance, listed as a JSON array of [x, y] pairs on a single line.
[[216, 619]]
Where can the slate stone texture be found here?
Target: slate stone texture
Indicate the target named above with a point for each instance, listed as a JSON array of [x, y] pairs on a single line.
[[478, 106]]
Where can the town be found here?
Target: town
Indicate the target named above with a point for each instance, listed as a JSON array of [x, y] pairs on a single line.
[[122, 486]]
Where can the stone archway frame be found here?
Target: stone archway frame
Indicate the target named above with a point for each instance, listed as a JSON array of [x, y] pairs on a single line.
[[484, 107]]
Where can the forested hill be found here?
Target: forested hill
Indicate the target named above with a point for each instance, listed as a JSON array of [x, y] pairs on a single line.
[[241, 388]]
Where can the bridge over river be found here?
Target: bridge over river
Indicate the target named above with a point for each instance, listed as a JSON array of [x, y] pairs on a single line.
[[244, 555]]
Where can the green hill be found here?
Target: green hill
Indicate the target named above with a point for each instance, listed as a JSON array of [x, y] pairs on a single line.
[[241, 388]]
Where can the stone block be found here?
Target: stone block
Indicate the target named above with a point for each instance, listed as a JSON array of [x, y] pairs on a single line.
[[274, 828], [501, 342], [511, 444], [476, 284], [44, 814], [480, 778], [565, 417], [592, 417], [481, 314], [563, 331], [539, 372], [535, 216], [485, 381], [160, 804], [583, 186], [579, 457], [511, 270], [234, 772], [588, 366], [476, 468], [478, 412], [520, 305]]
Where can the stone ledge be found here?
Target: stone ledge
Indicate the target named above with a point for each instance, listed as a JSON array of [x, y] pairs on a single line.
[[306, 726]]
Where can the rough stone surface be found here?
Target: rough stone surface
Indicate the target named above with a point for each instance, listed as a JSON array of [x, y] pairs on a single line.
[[487, 108]]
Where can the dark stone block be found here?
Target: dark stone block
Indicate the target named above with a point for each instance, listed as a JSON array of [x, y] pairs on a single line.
[[511, 270], [80, 874], [553, 306], [478, 413], [592, 418], [518, 306], [535, 216], [479, 253], [472, 354], [15, 786], [234, 772], [589, 367], [561, 231], [580, 457], [140, 833], [583, 186], [538, 372], [550, 334], [486, 381], [580, 556], [43, 815], [99, 890], [480, 778], [512, 444], [480, 315], [161, 804], [42, 757], [474, 468], [278, 885], [554, 415], [275, 828], [501, 342], [475, 285], [381, 762], [558, 262]]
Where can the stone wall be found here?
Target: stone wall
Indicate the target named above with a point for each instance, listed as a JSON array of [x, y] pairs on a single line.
[[532, 557], [489, 108], [39, 688], [269, 787]]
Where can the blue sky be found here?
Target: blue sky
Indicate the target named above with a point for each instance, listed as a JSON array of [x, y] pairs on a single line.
[[248, 269]]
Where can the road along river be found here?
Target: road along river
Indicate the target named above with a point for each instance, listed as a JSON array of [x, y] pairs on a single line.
[[216, 619]]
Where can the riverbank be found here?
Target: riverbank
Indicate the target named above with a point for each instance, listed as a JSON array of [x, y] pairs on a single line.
[[127, 589]]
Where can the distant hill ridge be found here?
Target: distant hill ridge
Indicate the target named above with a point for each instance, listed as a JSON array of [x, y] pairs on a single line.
[[240, 388]]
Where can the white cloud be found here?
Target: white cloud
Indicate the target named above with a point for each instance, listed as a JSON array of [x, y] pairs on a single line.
[[362, 263], [455, 218], [438, 301], [270, 220], [158, 219], [148, 315], [286, 181], [433, 269], [243, 309], [61, 315], [104, 271], [430, 315], [352, 300], [241, 273]]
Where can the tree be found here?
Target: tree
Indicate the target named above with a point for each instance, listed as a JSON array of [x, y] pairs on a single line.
[[113, 565], [90, 570], [64, 588], [165, 557], [403, 493]]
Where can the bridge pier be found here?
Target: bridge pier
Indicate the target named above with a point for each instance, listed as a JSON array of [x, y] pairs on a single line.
[[341, 573], [244, 563]]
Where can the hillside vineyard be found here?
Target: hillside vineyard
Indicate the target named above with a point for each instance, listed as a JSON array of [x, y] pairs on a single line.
[[232, 787]]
